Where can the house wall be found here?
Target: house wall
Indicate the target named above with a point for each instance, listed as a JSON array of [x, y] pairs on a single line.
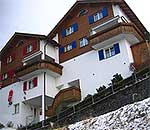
[[83, 29], [94, 73]]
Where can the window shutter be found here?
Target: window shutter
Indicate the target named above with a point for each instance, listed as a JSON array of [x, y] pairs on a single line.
[[13, 56], [34, 45], [105, 12], [11, 73], [63, 33], [101, 54], [24, 51], [117, 49], [61, 50], [73, 44], [91, 19], [25, 86], [75, 26], [0, 77], [35, 82]]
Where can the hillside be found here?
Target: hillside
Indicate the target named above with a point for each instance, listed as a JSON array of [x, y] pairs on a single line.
[[130, 117]]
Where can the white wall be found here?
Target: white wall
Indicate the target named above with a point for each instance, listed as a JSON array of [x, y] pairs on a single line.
[[92, 72], [118, 11], [50, 51], [51, 89], [6, 110]]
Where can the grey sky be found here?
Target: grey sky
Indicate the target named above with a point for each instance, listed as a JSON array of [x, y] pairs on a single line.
[[40, 16]]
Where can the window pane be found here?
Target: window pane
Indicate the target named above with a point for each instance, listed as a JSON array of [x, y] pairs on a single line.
[[112, 50], [107, 53]]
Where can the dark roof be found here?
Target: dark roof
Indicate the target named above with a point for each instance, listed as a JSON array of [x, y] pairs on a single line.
[[23, 35], [121, 3]]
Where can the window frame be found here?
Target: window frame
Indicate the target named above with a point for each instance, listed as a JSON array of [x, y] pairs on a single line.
[[111, 53], [4, 76], [29, 48], [82, 43], [9, 59], [16, 108], [97, 16], [69, 30]]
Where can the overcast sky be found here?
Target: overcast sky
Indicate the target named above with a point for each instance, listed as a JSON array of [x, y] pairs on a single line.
[[40, 16]]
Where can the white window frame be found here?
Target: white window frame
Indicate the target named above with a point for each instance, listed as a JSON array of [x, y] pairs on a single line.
[[9, 59], [16, 108], [5, 76], [68, 48], [98, 16], [110, 52], [29, 48], [83, 42], [69, 30]]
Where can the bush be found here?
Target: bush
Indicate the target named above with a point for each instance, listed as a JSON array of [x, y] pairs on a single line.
[[101, 88]]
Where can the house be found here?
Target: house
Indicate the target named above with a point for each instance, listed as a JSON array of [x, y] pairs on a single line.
[[41, 75]]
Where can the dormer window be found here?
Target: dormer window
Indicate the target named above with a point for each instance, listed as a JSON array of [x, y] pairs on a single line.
[[9, 59], [29, 48]]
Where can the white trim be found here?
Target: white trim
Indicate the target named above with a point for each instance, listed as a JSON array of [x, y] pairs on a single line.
[[32, 56]]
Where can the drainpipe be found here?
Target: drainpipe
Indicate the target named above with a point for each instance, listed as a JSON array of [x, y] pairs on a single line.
[[44, 88]]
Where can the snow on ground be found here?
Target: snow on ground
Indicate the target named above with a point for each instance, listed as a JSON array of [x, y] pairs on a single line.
[[131, 117]]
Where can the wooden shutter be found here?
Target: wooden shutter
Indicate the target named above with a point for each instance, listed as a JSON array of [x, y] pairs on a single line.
[[34, 45], [105, 12], [73, 44], [91, 19], [35, 82], [61, 50], [117, 49], [101, 54], [24, 51], [75, 26], [63, 33], [25, 86]]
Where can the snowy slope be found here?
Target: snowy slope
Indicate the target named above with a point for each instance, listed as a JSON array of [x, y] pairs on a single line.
[[131, 117]]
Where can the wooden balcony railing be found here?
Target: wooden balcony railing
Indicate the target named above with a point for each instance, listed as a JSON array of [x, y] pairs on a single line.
[[120, 28], [41, 64], [71, 94]]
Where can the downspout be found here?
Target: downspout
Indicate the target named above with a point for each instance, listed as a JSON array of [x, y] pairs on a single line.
[[44, 88]]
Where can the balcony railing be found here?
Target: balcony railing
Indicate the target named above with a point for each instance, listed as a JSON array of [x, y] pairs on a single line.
[[39, 65], [71, 94]]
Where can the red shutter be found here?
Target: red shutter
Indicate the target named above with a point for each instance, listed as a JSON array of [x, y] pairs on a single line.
[[35, 82], [34, 45], [11, 73], [25, 86], [10, 95], [0, 77], [13, 56], [24, 51]]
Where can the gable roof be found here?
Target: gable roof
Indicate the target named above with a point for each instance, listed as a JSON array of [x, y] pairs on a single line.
[[21, 35], [123, 5]]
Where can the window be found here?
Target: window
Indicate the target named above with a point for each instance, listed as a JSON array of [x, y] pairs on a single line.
[[69, 31], [73, 28], [16, 108], [9, 59], [30, 84], [70, 46], [83, 42], [5, 76], [29, 48], [109, 52], [98, 16], [82, 12]]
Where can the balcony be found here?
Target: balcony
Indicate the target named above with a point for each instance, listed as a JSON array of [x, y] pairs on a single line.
[[39, 65], [68, 95], [114, 30]]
